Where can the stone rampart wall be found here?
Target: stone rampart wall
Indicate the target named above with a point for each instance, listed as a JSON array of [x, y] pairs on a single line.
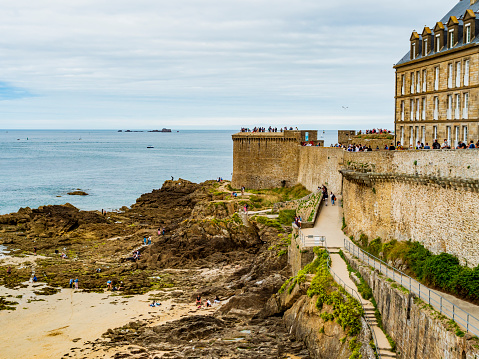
[[320, 166], [417, 330]]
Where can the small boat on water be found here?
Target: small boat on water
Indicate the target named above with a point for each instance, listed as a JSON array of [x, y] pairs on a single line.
[[150, 147]]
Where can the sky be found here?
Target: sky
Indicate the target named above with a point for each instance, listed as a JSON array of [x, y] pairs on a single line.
[[204, 64]]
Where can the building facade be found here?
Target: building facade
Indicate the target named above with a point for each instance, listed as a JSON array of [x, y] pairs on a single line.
[[437, 81]]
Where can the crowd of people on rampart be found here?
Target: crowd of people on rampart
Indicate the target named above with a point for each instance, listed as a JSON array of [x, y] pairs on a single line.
[[269, 129], [374, 131], [419, 146]]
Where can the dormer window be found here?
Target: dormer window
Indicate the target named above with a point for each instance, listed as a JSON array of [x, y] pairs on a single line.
[[439, 36], [426, 41], [469, 20], [415, 50], [452, 32]]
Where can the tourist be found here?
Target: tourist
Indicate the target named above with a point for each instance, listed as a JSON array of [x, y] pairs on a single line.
[[391, 148], [35, 278], [333, 198], [243, 190], [208, 303], [149, 240], [35, 251], [71, 283], [76, 283], [9, 270], [144, 240], [436, 145], [198, 300], [217, 299], [159, 231], [445, 145], [427, 147], [109, 284], [325, 195], [471, 145]]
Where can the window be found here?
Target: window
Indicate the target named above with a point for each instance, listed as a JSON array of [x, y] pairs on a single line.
[[411, 138], [403, 83], [413, 50], [458, 74], [417, 110], [448, 135], [434, 132], [468, 33], [449, 107], [438, 42], [402, 110], [458, 106], [451, 39], [456, 136], [436, 78], [425, 47], [423, 133], [411, 117], [402, 135], [465, 134], [417, 134], [424, 81], [436, 107], [449, 76], [418, 82], [423, 109], [466, 73], [412, 82], [465, 110]]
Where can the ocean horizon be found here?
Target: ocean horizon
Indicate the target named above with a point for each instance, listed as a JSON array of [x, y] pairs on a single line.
[[39, 167]]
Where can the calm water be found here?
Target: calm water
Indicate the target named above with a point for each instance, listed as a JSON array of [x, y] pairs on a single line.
[[115, 168]]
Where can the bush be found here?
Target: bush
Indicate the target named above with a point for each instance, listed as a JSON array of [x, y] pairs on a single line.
[[441, 271], [286, 216], [375, 247], [363, 239]]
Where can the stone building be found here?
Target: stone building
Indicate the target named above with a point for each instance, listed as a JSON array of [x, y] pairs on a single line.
[[437, 81]]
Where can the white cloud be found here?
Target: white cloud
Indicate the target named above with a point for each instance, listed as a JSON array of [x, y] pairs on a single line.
[[96, 64]]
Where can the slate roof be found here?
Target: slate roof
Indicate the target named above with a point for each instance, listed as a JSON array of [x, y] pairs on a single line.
[[458, 11]]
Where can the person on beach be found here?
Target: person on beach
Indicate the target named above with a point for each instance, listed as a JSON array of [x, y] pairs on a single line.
[[109, 285], [76, 283], [198, 301], [208, 303]]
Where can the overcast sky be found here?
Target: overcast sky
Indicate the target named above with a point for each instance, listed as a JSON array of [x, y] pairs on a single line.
[[205, 63]]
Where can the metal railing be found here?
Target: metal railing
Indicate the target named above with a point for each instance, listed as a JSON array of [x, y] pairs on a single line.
[[311, 240], [431, 297], [348, 289]]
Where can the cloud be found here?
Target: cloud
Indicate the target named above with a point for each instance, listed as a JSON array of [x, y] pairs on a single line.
[[203, 62]]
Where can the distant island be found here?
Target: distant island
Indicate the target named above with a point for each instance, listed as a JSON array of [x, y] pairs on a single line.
[[162, 130]]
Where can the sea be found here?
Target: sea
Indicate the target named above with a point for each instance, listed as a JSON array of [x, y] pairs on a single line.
[[39, 167]]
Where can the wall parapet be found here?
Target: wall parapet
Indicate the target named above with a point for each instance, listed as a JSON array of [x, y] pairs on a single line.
[[370, 179]]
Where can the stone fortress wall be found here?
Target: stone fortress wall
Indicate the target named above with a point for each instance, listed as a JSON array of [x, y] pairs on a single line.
[[426, 196]]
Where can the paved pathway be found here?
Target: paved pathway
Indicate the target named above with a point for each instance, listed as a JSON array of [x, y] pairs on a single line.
[[329, 224]]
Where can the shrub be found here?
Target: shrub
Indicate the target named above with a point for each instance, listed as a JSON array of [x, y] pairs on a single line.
[[375, 247], [286, 216]]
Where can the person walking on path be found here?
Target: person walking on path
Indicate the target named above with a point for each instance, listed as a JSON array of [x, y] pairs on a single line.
[[149, 240], [333, 198], [242, 190], [325, 195], [76, 283], [144, 240]]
